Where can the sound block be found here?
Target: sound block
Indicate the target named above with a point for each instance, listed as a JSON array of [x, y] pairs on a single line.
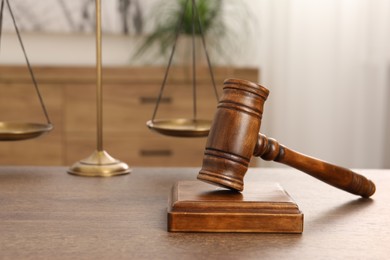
[[195, 206]]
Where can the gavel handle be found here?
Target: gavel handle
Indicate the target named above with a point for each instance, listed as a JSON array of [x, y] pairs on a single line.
[[269, 149]]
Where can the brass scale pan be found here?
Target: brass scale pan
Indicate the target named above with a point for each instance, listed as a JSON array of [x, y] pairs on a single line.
[[14, 131], [184, 127], [181, 127]]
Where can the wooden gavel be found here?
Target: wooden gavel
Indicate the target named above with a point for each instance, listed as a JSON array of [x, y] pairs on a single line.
[[234, 137]]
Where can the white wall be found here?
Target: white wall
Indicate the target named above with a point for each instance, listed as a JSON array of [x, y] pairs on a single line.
[[65, 49], [68, 49], [325, 62]]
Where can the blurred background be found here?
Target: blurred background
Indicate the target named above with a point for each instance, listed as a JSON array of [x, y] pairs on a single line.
[[326, 62]]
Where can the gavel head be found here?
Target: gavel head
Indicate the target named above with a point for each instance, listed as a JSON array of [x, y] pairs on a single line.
[[233, 134]]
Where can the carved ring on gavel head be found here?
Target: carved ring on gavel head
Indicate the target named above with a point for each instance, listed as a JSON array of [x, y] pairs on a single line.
[[234, 137]]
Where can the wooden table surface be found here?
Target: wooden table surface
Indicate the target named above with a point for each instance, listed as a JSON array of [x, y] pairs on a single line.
[[46, 213]]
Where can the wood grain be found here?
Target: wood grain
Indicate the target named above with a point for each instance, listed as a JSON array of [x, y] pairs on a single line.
[[234, 137], [46, 213], [262, 208], [339, 177]]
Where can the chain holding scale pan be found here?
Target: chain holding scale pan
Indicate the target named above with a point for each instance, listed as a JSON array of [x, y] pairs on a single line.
[[185, 127], [16, 131]]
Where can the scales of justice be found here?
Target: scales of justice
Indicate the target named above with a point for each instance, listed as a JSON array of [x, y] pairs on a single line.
[[99, 163], [233, 138]]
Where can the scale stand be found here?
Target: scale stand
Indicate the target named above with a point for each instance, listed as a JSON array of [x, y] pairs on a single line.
[[99, 163], [185, 127]]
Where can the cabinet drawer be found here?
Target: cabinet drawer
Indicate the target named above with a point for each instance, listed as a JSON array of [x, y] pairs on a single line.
[[127, 108], [129, 99], [45, 150], [20, 103], [139, 149]]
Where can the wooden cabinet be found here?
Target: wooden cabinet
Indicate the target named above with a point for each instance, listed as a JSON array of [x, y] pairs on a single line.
[[129, 97]]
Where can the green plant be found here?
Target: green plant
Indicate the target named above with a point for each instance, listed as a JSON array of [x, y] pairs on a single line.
[[168, 15]]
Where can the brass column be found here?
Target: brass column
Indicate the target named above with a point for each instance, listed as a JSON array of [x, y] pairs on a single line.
[[99, 163]]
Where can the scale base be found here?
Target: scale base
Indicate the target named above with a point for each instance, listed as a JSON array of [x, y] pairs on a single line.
[[99, 164], [262, 208]]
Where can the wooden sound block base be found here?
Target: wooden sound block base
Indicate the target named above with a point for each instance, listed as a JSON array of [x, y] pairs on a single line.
[[195, 206]]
